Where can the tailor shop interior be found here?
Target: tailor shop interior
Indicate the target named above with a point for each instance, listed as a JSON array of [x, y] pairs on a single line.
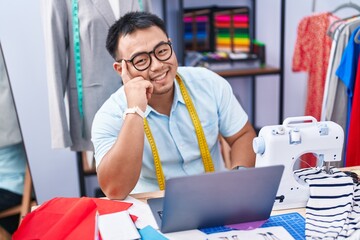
[[293, 66]]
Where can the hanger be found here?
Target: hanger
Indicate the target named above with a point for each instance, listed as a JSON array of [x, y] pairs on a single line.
[[330, 33], [329, 30], [347, 5]]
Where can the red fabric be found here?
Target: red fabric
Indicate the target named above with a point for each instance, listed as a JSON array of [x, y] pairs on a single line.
[[312, 52], [353, 143], [66, 218]]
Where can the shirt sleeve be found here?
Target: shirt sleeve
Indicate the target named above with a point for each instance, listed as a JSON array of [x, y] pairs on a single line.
[[105, 128]]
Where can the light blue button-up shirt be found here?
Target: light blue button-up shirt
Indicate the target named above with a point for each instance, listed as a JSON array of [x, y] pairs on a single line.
[[12, 168], [174, 135]]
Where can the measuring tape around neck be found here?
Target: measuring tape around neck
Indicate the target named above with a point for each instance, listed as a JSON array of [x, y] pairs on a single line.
[[204, 149], [77, 60]]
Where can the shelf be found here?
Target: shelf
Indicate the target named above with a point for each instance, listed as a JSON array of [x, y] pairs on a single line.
[[267, 70]]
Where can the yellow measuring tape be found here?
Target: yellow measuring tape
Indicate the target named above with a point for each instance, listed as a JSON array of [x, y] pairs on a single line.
[[204, 149]]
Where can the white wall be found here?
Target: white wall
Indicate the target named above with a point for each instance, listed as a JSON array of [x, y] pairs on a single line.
[[55, 171]]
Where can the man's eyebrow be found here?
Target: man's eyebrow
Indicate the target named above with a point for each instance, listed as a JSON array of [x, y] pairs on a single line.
[[134, 54], [137, 53]]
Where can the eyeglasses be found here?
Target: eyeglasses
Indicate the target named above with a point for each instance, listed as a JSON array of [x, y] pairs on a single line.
[[142, 61]]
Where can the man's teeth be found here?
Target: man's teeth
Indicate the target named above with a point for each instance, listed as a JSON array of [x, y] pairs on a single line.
[[159, 77]]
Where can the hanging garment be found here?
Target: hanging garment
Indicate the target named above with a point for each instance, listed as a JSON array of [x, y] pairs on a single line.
[[337, 48], [340, 37], [334, 106], [99, 80], [353, 149], [312, 50], [347, 70], [333, 210], [338, 109]]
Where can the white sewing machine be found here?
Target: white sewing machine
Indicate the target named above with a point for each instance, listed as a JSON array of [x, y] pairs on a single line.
[[284, 144]]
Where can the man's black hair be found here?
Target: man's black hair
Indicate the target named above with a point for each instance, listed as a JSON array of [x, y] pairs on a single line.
[[129, 23]]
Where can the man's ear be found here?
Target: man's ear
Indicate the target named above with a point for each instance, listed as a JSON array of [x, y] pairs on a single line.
[[117, 67]]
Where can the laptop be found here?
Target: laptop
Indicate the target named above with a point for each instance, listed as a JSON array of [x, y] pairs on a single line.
[[217, 199]]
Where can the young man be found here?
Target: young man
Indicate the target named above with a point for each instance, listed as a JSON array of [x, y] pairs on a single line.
[[165, 120]]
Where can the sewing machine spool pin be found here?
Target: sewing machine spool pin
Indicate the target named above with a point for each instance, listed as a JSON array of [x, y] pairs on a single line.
[[286, 143]]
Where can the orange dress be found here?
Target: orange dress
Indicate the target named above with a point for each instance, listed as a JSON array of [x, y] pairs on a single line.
[[312, 52]]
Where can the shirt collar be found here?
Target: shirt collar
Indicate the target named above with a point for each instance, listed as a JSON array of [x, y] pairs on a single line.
[[177, 94], [177, 98]]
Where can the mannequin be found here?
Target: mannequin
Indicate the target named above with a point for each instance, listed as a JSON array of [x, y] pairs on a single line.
[[99, 80]]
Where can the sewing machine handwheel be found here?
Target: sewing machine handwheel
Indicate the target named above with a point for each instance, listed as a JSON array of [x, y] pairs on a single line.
[[259, 145]]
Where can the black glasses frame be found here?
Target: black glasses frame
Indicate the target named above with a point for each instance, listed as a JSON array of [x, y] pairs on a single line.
[[148, 53]]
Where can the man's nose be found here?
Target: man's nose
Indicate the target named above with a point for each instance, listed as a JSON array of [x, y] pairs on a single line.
[[155, 63]]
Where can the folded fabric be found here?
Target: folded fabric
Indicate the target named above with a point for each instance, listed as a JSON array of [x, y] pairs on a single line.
[[332, 211], [67, 218]]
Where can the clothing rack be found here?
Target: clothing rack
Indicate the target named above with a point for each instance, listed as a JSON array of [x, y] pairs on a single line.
[[347, 5], [342, 6]]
